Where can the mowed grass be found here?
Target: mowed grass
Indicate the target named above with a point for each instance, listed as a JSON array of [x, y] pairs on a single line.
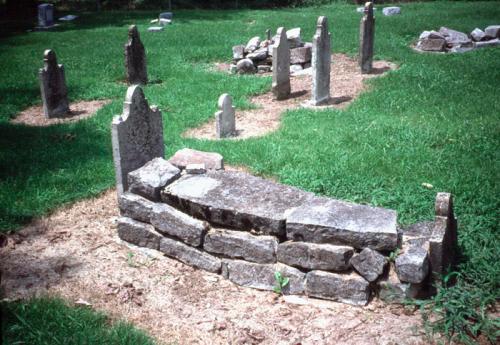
[[434, 120], [48, 321]]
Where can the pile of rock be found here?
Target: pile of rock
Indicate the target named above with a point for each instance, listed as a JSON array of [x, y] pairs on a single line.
[[257, 55], [448, 40]]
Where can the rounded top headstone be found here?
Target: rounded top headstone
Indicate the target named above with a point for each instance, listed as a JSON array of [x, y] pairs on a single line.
[[225, 101], [322, 21], [132, 31], [49, 55], [369, 8]]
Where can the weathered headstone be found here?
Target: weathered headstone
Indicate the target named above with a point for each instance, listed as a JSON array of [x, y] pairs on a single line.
[[137, 136], [53, 86], [281, 66], [366, 39], [45, 15], [321, 61], [135, 58], [224, 118]]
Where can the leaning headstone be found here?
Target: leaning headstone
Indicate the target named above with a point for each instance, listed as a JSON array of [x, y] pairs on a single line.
[[135, 58], [281, 66], [224, 118], [321, 63], [45, 15], [137, 136], [366, 39], [53, 86]]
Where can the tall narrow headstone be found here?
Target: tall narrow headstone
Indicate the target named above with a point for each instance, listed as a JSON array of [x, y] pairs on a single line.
[[366, 39], [321, 63], [135, 58], [53, 86], [281, 66], [137, 136], [45, 15], [224, 119]]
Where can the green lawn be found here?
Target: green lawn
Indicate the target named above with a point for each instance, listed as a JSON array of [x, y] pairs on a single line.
[[44, 321], [434, 120]]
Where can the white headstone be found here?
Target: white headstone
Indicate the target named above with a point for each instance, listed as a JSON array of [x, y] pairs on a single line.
[[53, 86], [225, 118], [281, 66], [137, 136], [321, 63]]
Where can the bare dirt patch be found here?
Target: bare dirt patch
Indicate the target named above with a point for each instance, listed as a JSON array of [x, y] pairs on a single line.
[[75, 253], [346, 82], [34, 116]]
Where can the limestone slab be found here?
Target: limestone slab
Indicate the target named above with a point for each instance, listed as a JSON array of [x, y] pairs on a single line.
[[235, 200], [138, 233], [412, 266], [369, 263], [189, 255], [135, 206], [135, 58], [314, 256], [321, 63], [324, 220], [53, 87], [137, 136], [149, 179], [183, 157], [241, 245], [172, 222], [261, 276], [346, 288]]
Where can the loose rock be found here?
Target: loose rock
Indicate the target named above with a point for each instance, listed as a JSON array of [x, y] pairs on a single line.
[[238, 52], [245, 66], [346, 288], [183, 157], [148, 180], [369, 263], [492, 31], [138, 233], [315, 256], [135, 206], [189, 255], [253, 44], [413, 265]]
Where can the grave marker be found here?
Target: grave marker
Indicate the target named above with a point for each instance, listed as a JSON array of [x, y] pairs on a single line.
[[135, 58], [321, 61], [281, 66], [366, 39], [224, 118], [45, 15], [53, 86], [137, 136]]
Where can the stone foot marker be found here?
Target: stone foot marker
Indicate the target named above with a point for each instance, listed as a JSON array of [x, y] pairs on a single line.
[[53, 87], [224, 119], [281, 66], [135, 58], [137, 136], [366, 39], [321, 61]]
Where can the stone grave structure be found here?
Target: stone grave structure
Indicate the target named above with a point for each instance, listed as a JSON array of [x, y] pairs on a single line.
[[452, 41], [45, 16], [53, 87], [225, 125], [247, 228], [366, 39], [135, 58], [281, 87], [137, 136], [321, 63], [257, 55]]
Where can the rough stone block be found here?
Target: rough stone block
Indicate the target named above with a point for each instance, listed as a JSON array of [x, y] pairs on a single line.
[[261, 276], [149, 179], [346, 288], [454, 38], [369, 263], [323, 220], [235, 200], [300, 55], [135, 206], [238, 52], [196, 169], [293, 37], [241, 245], [252, 44], [432, 44], [485, 44], [412, 266], [392, 290], [172, 222], [189, 255], [417, 234], [183, 157], [138, 233], [477, 34], [492, 31], [313, 256], [258, 55]]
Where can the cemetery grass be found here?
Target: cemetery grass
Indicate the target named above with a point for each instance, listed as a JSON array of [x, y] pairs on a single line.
[[48, 321], [435, 120]]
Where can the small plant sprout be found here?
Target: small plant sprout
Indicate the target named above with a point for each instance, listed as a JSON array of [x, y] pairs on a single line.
[[281, 282]]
